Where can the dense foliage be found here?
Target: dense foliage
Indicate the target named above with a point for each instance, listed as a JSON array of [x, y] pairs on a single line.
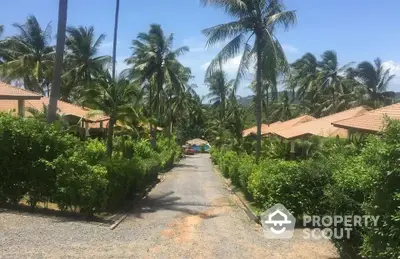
[[41, 163], [337, 179]]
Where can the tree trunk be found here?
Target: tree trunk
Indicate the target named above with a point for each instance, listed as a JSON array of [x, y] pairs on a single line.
[[110, 135], [258, 98], [266, 105], [56, 85], [115, 39], [153, 137]]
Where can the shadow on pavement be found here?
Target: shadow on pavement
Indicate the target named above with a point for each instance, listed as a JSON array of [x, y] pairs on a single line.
[[57, 216], [169, 202], [184, 166]]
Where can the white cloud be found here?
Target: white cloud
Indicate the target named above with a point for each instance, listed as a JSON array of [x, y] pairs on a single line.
[[394, 69], [290, 48], [205, 66], [121, 65], [230, 67]]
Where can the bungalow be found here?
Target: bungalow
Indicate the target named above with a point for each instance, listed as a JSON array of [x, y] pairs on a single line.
[[323, 126], [17, 99], [253, 130], [371, 122], [17, 95], [277, 126]]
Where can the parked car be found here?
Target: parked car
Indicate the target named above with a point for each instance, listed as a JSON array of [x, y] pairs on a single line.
[[189, 151]]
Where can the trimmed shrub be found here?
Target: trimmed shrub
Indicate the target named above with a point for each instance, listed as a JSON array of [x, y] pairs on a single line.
[[79, 184], [26, 145], [44, 164]]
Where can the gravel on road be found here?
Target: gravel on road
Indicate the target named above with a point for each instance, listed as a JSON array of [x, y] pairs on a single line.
[[191, 214]]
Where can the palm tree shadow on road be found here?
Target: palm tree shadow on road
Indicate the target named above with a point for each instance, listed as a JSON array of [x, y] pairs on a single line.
[[168, 202]]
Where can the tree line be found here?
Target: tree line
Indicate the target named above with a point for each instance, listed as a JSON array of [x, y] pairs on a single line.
[[156, 88]]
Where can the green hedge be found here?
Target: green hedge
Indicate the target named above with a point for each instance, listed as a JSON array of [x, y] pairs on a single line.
[[41, 163], [339, 178]]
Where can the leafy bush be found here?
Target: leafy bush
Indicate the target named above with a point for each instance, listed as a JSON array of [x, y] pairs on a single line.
[[383, 194], [297, 185], [334, 177], [124, 179], [25, 147], [79, 184], [44, 164]]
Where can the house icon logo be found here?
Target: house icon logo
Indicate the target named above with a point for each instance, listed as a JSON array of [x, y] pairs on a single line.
[[278, 222]]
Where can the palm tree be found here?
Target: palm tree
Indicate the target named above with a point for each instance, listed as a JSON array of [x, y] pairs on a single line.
[[258, 18], [220, 89], [116, 99], [82, 59], [1, 51], [28, 55], [176, 99], [56, 85], [304, 75], [283, 109], [330, 75], [114, 58], [155, 64], [376, 79]]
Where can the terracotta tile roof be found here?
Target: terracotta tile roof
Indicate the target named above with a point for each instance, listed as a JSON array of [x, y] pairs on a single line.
[[8, 92], [287, 124], [253, 130], [323, 126], [373, 121], [63, 107]]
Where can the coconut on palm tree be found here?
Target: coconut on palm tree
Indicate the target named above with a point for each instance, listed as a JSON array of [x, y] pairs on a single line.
[[376, 79], [154, 64], [253, 34], [28, 56]]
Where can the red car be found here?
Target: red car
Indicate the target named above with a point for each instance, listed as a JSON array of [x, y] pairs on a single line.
[[189, 151]]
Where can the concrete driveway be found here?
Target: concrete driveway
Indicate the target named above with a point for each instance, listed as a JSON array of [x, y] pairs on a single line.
[[191, 214]]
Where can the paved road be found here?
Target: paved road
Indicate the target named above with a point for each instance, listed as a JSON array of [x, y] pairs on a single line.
[[189, 215]]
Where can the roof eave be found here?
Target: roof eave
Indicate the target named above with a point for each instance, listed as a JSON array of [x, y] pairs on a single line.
[[19, 97]]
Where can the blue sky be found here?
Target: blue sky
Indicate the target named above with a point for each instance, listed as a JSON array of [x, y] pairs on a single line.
[[357, 30]]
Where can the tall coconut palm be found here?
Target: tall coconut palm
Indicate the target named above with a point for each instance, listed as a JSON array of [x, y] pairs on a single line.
[[269, 94], [1, 50], [82, 59], [255, 21], [283, 109], [56, 85], [29, 55], [376, 79], [114, 58], [155, 63], [304, 74], [176, 99], [331, 77], [116, 98], [220, 88]]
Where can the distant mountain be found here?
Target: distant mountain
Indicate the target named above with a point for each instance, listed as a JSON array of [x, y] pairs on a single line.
[[245, 101]]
